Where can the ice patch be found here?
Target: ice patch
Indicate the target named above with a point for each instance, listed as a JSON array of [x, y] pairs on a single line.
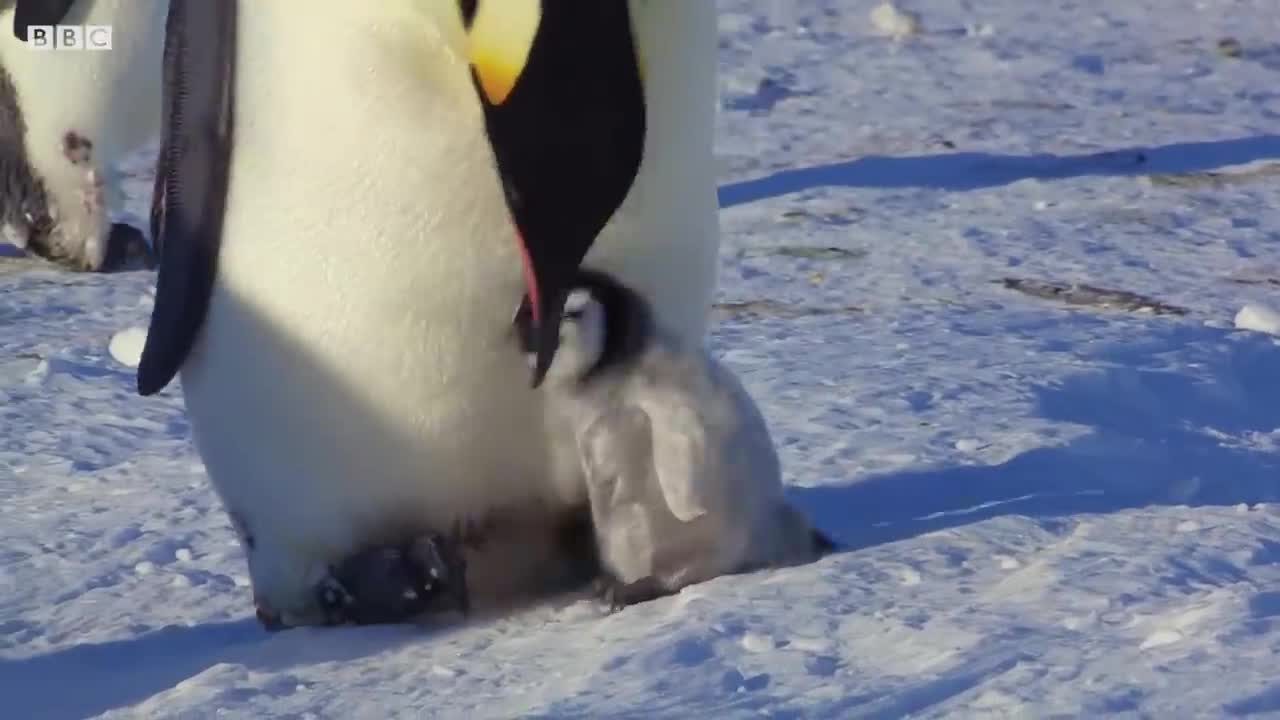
[[754, 642], [1007, 562], [1160, 638], [889, 19], [126, 346], [1259, 319]]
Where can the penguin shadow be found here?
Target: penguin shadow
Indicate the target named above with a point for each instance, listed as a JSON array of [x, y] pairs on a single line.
[[86, 679], [89, 679], [964, 171], [1159, 438]]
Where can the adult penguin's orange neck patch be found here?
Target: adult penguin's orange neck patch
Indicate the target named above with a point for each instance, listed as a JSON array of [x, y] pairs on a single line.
[[530, 280], [500, 35]]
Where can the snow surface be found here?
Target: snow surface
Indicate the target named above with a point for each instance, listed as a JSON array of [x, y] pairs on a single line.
[[982, 280]]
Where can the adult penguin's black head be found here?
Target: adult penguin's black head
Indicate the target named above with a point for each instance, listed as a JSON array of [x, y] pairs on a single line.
[[562, 90]]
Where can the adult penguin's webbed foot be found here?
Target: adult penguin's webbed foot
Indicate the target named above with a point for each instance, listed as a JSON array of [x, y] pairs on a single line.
[[395, 583]]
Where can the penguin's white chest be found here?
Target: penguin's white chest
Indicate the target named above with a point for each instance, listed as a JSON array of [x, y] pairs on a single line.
[[356, 373]]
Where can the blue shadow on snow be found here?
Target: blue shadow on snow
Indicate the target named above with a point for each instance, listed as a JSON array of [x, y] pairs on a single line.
[[1153, 443], [89, 679], [962, 171]]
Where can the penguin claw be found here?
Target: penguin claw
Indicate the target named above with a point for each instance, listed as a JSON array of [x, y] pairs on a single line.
[[442, 561], [617, 594], [269, 620], [335, 600], [393, 584]]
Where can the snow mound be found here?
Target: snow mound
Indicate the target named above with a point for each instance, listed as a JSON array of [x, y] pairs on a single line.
[[1259, 319], [889, 19], [126, 346]]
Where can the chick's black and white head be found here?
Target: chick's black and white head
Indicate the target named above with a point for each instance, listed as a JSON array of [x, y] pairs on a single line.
[[583, 329], [603, 327]]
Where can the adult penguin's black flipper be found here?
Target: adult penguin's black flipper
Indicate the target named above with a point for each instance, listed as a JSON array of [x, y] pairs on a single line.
[[38, 12], [192, 178]]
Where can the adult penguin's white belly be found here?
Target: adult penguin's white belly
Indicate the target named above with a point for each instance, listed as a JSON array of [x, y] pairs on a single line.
[[356, 377], [82, 110]]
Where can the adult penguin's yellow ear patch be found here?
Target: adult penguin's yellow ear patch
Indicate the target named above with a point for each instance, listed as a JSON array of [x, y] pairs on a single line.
[[499, 36]]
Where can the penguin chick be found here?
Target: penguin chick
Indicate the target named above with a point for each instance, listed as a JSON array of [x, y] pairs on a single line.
[[682, 476]]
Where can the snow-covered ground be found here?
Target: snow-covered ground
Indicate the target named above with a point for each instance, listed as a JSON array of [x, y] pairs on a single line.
[[984, 280]]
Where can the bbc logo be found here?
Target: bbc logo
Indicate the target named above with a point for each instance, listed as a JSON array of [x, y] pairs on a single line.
[[69, 37]]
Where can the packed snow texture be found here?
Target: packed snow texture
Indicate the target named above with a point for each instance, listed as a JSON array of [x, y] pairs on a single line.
[[982, 281]]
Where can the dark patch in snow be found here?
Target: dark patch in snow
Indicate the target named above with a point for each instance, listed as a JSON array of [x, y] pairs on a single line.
[[1265, 604], [1264, 702], [807, 253], [1216, 180], [771, 90], [1091, 296], [777, 309]]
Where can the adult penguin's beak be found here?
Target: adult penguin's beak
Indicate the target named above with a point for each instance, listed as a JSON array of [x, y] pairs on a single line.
[[561, 86]]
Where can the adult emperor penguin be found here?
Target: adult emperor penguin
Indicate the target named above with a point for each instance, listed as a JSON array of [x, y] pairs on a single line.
[[683, 479], [339, 268], [67, 117]]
